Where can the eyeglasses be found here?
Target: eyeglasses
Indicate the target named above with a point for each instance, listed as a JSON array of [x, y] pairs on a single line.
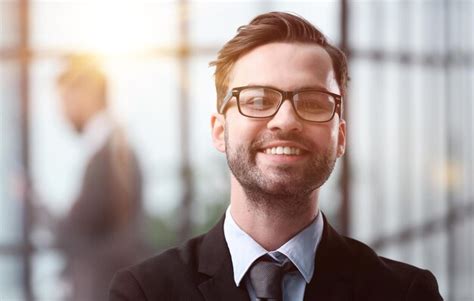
[[264, 102]]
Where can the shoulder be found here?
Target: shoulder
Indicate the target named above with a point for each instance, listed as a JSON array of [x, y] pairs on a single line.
[[383, 276], [160, 275], [181, 258], [174, 274]]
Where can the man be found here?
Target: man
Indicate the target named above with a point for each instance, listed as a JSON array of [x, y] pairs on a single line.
[[279, 88], [100, 234]]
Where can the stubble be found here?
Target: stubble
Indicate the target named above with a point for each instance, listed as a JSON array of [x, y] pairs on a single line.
[[284, 189]]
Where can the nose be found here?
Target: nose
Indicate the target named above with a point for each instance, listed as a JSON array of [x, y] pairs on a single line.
[[286, 119]]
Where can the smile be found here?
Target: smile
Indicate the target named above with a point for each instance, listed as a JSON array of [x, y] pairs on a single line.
[[282, 150]]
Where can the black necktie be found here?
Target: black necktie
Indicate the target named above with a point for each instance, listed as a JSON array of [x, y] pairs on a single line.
[[266, 277]]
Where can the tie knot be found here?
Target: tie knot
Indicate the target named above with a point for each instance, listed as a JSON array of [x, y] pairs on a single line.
[[266, 276]]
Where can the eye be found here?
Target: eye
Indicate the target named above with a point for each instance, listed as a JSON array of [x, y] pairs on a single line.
[[259, 102], [313, 105], [258, 99], [314, 102]]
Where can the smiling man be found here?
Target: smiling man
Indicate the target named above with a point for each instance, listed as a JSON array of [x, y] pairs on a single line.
[[280, 88]]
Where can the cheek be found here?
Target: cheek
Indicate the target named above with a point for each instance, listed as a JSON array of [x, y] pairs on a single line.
[[241, 129], [70, 108], [66, 107], [325, 136], [333, 128], [335, 134], [236, 135], [73, 109]]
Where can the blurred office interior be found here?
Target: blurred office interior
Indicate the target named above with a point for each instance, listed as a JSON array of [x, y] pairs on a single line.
[[405, 186]]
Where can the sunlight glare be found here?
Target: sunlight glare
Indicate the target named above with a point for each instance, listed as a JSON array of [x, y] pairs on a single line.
[[118, 27]]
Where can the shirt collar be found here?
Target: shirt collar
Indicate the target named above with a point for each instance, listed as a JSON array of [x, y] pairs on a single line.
[[300, 249], [96, 132]]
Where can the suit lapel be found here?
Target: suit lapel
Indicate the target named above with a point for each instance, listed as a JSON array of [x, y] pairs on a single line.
[[332, 280], [333, 276], [215, 262]]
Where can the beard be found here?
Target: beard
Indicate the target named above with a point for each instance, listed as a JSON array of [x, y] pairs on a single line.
[[284, 188]]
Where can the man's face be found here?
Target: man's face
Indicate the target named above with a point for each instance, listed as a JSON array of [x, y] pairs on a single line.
[[248, 142], [78, 103]]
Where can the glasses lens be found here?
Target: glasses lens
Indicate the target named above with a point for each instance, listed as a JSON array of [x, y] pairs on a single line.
[[259, 102], [314, 105]]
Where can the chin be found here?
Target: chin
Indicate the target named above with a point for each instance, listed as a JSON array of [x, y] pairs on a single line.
[[78, 128], [285, 188]]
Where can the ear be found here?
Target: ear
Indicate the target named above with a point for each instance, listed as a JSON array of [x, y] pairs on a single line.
[[341, 141], [218, 131]]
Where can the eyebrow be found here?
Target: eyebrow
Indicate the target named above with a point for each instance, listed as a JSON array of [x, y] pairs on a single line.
[[307, 87]]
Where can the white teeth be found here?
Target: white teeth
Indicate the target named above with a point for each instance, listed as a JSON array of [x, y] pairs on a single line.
[[279, 150], [283, 150]]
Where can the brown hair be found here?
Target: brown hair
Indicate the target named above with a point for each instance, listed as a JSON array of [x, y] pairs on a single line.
[[84, 69], [268, 28]]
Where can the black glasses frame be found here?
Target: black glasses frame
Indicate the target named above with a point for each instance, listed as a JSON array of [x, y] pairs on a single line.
[[286, 95]]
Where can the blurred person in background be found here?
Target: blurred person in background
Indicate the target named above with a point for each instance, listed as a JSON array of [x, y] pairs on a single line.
[[280, 86], [102, 231]]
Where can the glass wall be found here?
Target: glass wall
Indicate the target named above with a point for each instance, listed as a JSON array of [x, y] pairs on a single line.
[[411, 135], [12, 172], [12, 183]]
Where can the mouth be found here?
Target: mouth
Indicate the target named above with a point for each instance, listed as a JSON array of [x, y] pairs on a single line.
[[282, 154], [283, 150]]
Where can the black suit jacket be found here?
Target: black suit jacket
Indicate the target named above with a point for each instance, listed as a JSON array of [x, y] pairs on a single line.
[[201, 269], [101, 233]]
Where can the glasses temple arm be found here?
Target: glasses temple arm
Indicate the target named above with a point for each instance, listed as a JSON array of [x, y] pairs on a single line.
[[225, 100]]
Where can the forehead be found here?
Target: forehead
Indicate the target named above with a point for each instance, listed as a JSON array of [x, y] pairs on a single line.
[[288, 66], [80, 85]]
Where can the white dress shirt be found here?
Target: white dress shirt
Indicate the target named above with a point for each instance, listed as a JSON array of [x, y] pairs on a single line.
[[96, 132], [300, 249]]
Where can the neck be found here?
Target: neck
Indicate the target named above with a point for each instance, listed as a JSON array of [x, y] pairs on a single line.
[[272, 222]]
